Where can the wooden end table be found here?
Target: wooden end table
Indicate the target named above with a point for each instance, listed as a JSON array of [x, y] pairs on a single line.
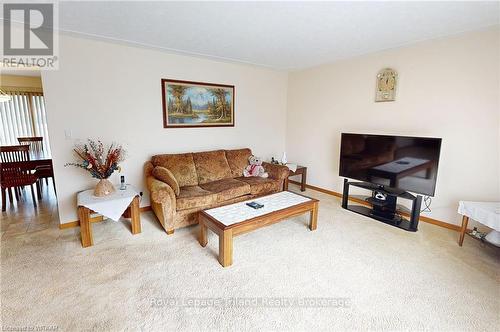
[[301, 170], [485, 213], [132, 212], [231, 220]]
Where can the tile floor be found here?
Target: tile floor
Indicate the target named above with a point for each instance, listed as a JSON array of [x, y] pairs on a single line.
[[22, 217]]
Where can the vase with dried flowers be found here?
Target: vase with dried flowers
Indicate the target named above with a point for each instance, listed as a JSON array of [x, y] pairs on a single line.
[[99, 164]]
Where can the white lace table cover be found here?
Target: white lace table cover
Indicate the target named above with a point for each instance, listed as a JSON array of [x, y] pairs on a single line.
[[238, 212], [486, 213], [111, 206]]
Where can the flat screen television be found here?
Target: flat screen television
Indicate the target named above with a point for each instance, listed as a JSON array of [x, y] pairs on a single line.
[[399, 162]]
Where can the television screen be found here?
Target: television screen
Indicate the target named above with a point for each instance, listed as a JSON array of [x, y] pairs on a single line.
[[405, 163]]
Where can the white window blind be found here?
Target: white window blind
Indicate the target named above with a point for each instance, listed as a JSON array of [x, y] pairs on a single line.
[[24, 115]]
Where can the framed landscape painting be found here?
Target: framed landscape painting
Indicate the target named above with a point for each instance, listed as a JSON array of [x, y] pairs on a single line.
[[196, 104]]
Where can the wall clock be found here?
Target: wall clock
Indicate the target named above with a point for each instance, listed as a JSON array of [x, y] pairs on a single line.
[[386, 85]]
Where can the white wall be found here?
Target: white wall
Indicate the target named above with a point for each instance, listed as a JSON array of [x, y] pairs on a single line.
[[113, 92], [447, 88]]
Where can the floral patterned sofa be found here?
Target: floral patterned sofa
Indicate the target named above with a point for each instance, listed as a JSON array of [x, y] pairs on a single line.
[[180, 185]]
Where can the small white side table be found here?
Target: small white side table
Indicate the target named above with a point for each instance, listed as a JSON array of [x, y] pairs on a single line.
[[486, 213], [112, 206]]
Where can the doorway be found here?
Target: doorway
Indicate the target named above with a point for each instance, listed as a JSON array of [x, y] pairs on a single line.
[[29, 201]]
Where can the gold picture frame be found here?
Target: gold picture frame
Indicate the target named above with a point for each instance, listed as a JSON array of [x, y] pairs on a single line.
[[387, 80], [189, 104]]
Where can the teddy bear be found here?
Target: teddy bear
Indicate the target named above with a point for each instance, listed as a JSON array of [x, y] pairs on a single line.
[[255, 168]]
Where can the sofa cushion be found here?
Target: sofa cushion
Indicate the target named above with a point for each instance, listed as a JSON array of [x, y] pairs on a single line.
[[238, 160], [181, 166], [211, 166], [227, 188], [194, 196], [164, 175], [261, 186]]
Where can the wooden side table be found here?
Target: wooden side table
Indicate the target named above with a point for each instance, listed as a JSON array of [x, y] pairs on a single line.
[[86, 226], [301, 170], [486, 213], [120, 203]]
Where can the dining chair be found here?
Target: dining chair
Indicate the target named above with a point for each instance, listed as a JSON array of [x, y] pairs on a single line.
[[15, 172], [45, 172], [35, 142], [42, 172]]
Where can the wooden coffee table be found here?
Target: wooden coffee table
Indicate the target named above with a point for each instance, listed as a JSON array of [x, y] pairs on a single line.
[[238, 218]]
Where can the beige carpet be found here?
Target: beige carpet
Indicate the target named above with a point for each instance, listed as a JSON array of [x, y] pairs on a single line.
[[388, 278]]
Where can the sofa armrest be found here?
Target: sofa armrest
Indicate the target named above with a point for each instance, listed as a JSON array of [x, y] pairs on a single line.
[[161, 193], [163, 202], [279, 172]]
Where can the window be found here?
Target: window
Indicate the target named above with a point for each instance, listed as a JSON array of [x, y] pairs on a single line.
[[24, 115]]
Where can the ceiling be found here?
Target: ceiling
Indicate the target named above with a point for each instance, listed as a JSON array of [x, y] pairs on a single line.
[[281, 35]]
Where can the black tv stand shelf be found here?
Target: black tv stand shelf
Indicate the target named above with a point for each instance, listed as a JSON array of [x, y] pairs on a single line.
[[383, 205], [374, 201]]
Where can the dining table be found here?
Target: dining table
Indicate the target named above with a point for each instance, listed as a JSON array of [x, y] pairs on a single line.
[[36, 159], [40, 158]]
